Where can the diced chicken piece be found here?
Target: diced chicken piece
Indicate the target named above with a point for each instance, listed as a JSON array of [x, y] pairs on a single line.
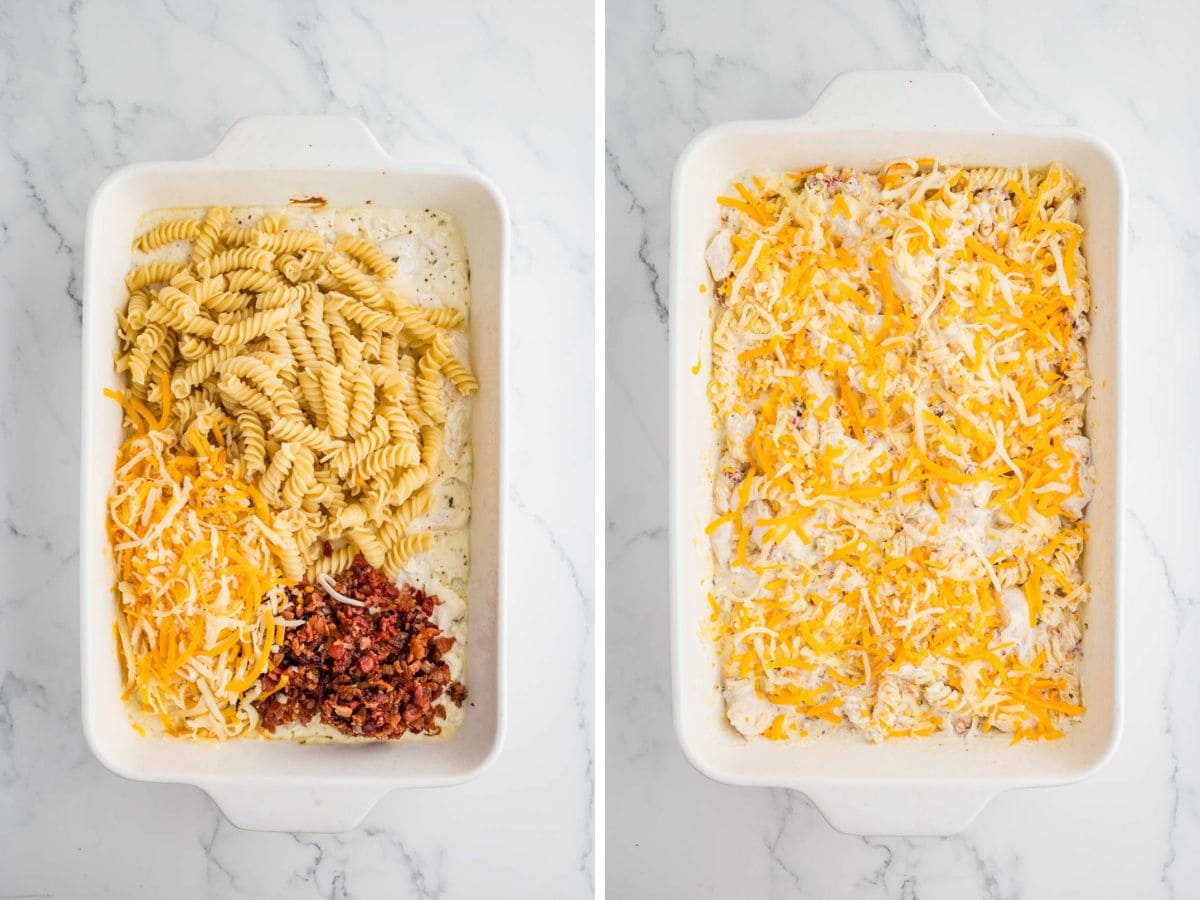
[[722, 542], [719, 255], [738, 427], [1014, 613], [749, 713], [1080, 448]]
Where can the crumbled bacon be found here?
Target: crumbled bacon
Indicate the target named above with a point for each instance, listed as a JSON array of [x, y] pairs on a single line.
[[374, 671]]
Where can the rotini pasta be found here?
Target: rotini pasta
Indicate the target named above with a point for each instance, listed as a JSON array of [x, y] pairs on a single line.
[[289, 241], [405, 549], [262, 376], [167, 233], [301, 479], [433, 446], [152, 273], [362, 401], [396, 526], [254, 441], [200, 369], [314, 401], [350, 455], [316, 330], [291, 558], [361, 314], [408, 482], [388, 459], [367, 541], [333, 392], [135, 309], [227, 301], [293, 295], [277, 470], [366, 252], [442, 318], [300, 431], [372, 341], [240, 393], [356, 282], [256, 326], [209, 234], [301, 347], [256, 280], [237, 258], [429, 389], [336, 560], [389, 351], [401, 427], [293, 348], [415, 323], [458, 374]]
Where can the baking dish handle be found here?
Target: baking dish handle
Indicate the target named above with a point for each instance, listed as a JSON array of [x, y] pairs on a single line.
[[940, 101], [290, 142], [291, 807], [916, 810]]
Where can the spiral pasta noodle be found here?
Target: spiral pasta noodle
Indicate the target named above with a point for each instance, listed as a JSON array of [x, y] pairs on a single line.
[[337, 406], [371, 320], [167, 233], [152, 273], [356, 282], [362, 402], [301, 479], [350, 455], [366, 252], [405, 549], [288, 241], [397, 525], [255, 327], [317, 331], [254, 441], [388, 459], [209, 233], [429, 389], [255, 280]]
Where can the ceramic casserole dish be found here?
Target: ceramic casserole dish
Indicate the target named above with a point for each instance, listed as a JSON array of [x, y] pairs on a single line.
[[269, 160], [933, 785]]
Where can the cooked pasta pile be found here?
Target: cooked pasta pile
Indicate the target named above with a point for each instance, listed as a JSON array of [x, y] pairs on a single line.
[[330, 387], [899, 380], [197, 579]]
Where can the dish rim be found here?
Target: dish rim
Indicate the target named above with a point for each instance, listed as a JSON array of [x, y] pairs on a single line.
[[334, 137], [980, 120]]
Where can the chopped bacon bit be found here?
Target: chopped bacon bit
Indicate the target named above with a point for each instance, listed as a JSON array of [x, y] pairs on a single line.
[[375, 671]]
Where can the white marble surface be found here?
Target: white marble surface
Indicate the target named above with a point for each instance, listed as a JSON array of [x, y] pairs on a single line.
[[1122, 70], [89, 86]]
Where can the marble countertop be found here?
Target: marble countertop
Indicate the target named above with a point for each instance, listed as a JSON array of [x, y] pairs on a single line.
[[90, 86], [1113, 69]]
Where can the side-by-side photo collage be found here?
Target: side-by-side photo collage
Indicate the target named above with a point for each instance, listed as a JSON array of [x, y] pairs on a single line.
[[633, 449]]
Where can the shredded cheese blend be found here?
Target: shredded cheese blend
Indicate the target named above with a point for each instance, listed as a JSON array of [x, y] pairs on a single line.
[[899, 379], [197, 580]]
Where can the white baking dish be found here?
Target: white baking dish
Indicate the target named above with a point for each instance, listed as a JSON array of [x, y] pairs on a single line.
[[277, 785], [932, 786]]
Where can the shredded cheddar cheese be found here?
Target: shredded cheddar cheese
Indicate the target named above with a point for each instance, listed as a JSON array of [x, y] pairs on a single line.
[[197, 579], [898, 379]]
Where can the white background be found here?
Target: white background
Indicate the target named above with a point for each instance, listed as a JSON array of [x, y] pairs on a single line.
[[1124, 71], [89, 87]]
